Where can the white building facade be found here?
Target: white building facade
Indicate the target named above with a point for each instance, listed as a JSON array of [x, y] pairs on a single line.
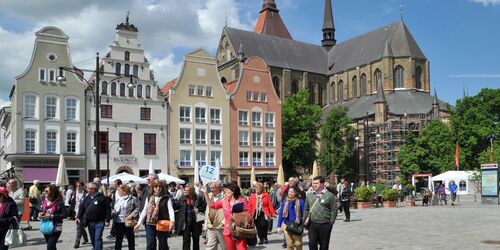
[[132, 120]]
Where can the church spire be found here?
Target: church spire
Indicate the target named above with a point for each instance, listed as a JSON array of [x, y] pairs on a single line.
[[270, 22], [328, 27]]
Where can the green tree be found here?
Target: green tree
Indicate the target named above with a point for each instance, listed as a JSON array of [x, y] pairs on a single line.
[[337, 143], [484, 157], [300, 121], [409, 157], [474, 121]]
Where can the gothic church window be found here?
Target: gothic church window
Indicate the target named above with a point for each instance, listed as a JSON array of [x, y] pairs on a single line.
[[378, 79], [295, 87], [333, 95], [276, 85], [399, 73], [418, 77], [355, 86], [363, 84], [320, 95], [311, 92], [340, 92]]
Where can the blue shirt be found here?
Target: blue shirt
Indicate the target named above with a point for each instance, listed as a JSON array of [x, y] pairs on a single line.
[[291, 212], [453, 188]]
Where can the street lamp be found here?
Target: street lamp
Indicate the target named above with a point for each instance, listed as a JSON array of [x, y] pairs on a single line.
[[365, 148], [357, 154], [97, 97]]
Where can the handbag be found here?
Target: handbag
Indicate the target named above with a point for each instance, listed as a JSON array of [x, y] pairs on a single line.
[[47, 227], [307, 221], [130, 222], [294, 228], [242, 226], [164, 225], [15, 237], [200, 217]]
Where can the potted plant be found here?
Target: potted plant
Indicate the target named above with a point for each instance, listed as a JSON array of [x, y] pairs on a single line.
[[410, 202], [364, 196], [390, 197]]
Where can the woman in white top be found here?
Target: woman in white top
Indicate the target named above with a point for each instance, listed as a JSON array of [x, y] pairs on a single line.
[[158, 206]]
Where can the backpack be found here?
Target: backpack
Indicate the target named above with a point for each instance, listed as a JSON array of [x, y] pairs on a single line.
[[242, 226]]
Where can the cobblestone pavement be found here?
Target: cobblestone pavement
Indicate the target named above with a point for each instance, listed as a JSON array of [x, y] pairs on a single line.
[[469, 225]]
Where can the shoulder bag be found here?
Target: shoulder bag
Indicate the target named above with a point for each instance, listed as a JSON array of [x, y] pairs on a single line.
[[47, 227], [307, 221], [15, 236], [164, 225], [242, 226]]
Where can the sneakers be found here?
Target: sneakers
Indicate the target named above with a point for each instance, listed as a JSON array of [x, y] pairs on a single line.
[[77, 245], [110, 237], [266, 241], [283, 245]]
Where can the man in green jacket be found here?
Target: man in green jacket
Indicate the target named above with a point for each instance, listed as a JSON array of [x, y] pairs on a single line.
[[321, 208]]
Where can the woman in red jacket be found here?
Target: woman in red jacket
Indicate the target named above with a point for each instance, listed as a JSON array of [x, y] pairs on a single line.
[[261, 209]]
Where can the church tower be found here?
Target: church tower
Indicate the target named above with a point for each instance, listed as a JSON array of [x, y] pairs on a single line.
[[328, 27], [270, 22]]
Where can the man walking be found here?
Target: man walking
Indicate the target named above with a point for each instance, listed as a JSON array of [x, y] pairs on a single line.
[[321, 208], [18, 195], [453, 192], [214, 222], [35, 199], [95, 211]]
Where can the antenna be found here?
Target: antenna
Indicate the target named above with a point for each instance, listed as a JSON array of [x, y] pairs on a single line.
[[126, 19], [401, 10], [225, 17]]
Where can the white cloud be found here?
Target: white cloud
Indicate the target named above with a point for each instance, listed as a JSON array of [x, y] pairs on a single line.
[[4, 103], [165, 27], [486, 2]]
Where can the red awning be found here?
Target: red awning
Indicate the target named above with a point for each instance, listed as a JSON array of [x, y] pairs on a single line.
[[41, 174]]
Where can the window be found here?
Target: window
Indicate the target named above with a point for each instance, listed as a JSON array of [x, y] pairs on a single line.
[[51, 106], [243, 158], [148, 91], [215, 116], [332, 92], [136, 71], [257, 139], [185, 157], [320, 95], [29, 141], [378, 78], [269, 120], [263, 97], [113, 88], [71, 109], [243, 118], [191, 89], [201, 157], [130, 92], [139, 91], [215, 137], [214, 156], [243, 135], [462, 185], [256, 120], [208, 91], [122, 89], [399, 74], [269, 139], [201, 137], [199, 90], [103, 142], [104, 88], [418, 77], [269, 159], [127, 56], [71, 142], [118, 69], [249, 95], [29, 105], [355, 86], [199, 114], [257, 159], [145, 114], [106, 111], [52, 75], [295, 87], [256, 96], [340, 91], [276, 85], [42, 75], [185, 136], [150, 144], [127, 70], [184, 114], [126, 143], [363, 84], [51, 142]]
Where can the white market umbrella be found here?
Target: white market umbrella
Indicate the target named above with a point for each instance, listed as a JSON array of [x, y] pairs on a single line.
[[252, 175], [217, 170], [168, 178], [196, 173], [281, 176], [62, 175], [125, 178], [151, 168], [315, 170]]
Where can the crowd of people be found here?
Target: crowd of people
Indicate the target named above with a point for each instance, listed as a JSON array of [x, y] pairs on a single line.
[[214, 215]]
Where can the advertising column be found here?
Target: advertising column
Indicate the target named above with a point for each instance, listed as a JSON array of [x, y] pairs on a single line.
[[489, 183]]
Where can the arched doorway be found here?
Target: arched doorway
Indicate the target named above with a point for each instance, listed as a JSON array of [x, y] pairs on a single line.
[[124, 169]]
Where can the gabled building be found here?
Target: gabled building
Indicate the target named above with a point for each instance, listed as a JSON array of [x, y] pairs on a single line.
[[198, 117], [48, 118], [133, 119], [255, 123]]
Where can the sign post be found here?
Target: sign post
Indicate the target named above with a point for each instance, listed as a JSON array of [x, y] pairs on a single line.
[[489, 183]]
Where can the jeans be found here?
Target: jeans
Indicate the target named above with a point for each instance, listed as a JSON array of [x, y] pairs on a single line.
[[150, 237], [95, 231], [319, 234], [80, 231], [52, 240], [122, 230], [191, 230], [345, 206]]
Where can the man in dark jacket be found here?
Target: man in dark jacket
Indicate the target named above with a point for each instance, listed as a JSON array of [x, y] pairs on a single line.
[[95, 212]]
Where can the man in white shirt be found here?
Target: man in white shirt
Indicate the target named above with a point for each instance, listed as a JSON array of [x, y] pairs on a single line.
[[18, 195]]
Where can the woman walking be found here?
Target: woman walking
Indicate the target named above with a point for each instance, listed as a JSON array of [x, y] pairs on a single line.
[[190, 205], [126, 209], [232, 196], [80, 229], [345, 199], [54, 211], [158, 207], [292, 210], [8, 215], [261, 209]]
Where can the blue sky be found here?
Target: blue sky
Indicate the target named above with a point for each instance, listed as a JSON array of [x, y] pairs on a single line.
[[459, 37]]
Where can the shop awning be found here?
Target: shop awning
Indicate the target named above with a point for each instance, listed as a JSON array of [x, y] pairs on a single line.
[[41, 174]]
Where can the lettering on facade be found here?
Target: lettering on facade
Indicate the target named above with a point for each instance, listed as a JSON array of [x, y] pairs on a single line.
[[125, 159], [37, 162]]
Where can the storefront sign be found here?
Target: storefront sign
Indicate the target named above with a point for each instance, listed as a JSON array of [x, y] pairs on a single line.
[[125, 159]]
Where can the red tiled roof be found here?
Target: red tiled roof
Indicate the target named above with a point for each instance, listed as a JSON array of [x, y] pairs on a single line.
[[168, 86], [230, 86]]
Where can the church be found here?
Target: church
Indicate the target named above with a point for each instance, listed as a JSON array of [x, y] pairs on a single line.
[[382, 77]]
